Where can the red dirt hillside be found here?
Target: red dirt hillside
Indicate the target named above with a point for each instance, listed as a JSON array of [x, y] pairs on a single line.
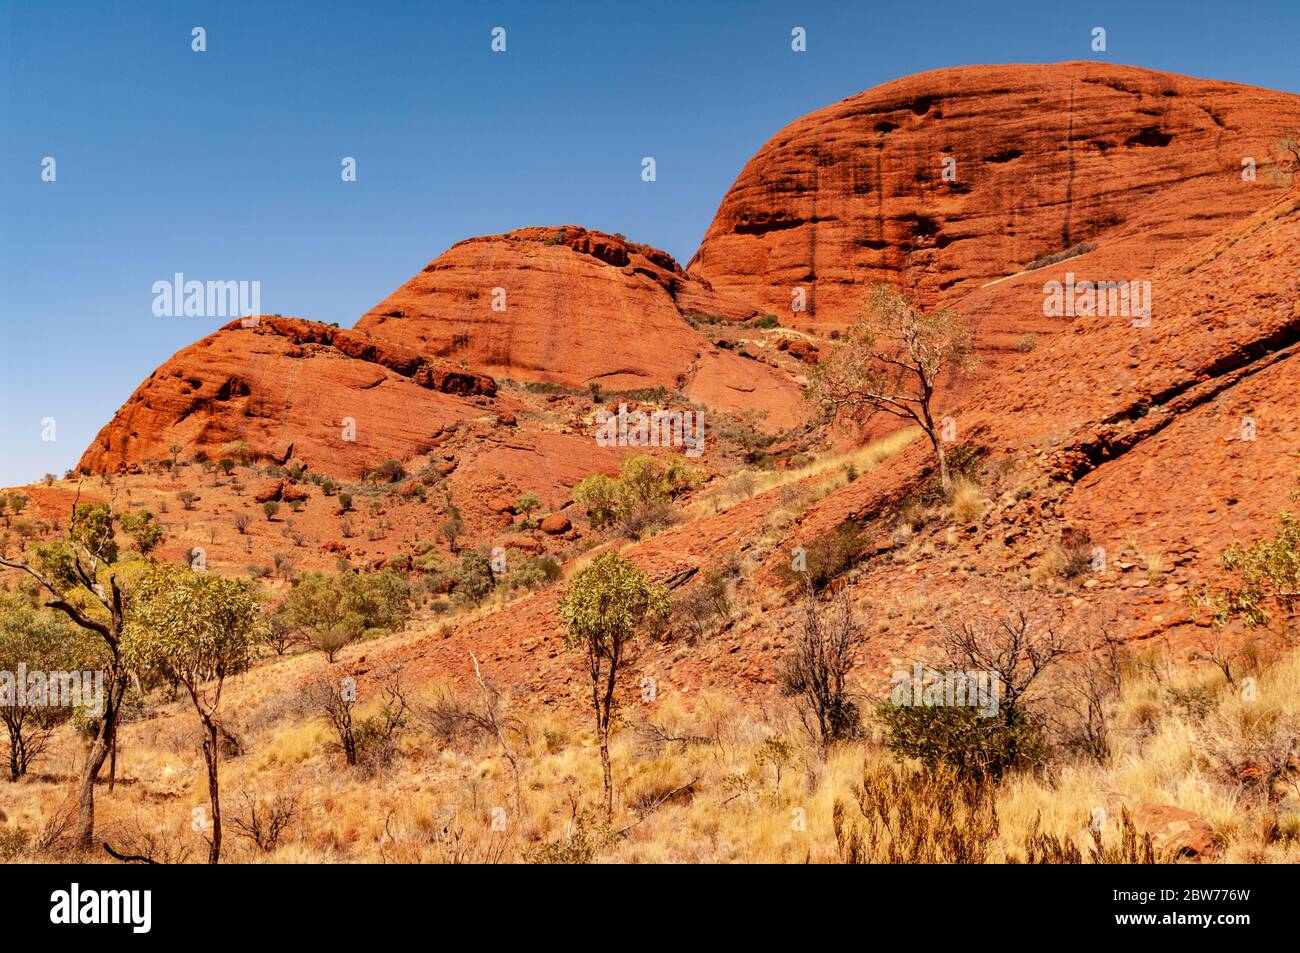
[[1139, 448], [580, 307], [1047, 156], [1162, 445], [286, 388]]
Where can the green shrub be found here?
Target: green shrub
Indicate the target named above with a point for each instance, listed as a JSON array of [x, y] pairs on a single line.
[[332, 610], [961, 738], [474, 577], [428, 562], [142, 528], [600, 495], [528, 503], [390, 471], [640, 498], [534, 572]]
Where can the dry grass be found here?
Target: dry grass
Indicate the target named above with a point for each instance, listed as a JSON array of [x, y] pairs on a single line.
[[698, 780], [966, 502], [834, 470]]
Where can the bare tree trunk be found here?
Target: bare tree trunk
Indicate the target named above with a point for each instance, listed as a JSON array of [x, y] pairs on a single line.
[[13, 722], [210, 755], [13, 754], [606, 709], [112, 760], [603, 729], [84, 833], [601, 706], [24, 759], [945, 480]]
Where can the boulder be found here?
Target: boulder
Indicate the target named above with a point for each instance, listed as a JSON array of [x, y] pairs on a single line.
[[555, 524]]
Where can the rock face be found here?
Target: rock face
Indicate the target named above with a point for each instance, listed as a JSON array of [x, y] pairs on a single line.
[[335, 399], [1178, 436], [1038, 160], [575, 307]]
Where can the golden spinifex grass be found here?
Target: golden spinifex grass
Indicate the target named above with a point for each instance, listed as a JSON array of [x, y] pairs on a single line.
[[704, 780]]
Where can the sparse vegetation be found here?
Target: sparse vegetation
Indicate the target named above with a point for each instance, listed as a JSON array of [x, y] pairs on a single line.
[[527, 504], [606, 606], [1082, 248], [331, 611], [142, 528], [891, 361], [639, 500], [816, 671]]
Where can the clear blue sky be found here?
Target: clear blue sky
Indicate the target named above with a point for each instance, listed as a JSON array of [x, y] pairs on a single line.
[[225, 164]]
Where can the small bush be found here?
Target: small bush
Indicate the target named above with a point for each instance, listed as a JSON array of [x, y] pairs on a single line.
[[826, 559], [1068, 559], [587, 836], [534, 572], [639, 500], [263, 822], [474, 577], [707, 603], [13, 841], [967, 504], [960, 738], [1004, 730], [527, 503], [816, 669], [1072, 252], [390, 471]]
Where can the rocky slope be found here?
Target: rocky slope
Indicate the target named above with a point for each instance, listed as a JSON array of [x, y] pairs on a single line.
[[576, 307], [337, 400], [1139, 449]]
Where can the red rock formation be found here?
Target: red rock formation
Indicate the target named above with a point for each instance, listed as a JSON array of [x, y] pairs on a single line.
[[1045, 157], [1178, 436], [578, 307], [1129, 433], [288, 387]]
